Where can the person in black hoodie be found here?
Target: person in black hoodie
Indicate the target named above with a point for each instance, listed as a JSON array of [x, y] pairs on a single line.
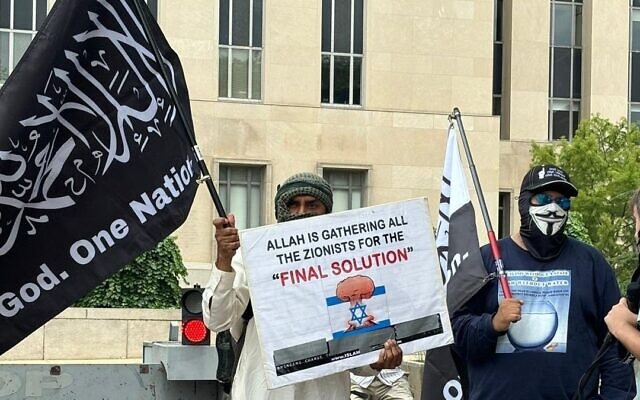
[[537, 344]]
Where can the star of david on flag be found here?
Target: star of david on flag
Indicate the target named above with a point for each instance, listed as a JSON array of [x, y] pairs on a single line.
[[343, 314], [363, 314]]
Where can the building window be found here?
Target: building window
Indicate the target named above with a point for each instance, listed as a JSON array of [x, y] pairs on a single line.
[[565, 68], [240, 49], [634, 62], [342, 33], [19, 21], [241, 193], [497, 58], [504, 214], [348, 188], [153, 7]]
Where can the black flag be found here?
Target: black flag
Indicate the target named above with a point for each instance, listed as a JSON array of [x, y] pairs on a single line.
[[462, 267], [95, 165]]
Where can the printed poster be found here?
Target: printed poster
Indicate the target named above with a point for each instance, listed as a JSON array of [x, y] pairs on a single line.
[[328, 291], [545, 311]]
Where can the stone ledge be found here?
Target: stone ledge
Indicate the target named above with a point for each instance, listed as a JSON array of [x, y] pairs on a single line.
[[134, 314], [95, 333]]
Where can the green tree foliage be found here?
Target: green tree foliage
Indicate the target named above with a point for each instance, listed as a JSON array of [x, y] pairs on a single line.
[[576, 227], [149, 281], [603, 160]]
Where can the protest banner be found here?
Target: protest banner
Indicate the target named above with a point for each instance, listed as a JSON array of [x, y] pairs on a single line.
[[328, 291]]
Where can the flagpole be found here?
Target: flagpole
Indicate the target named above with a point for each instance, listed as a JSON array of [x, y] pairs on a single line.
[[493, 243], [206, 177]]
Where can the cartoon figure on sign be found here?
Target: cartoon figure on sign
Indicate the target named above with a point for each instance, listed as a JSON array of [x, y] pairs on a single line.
[[355, 289]]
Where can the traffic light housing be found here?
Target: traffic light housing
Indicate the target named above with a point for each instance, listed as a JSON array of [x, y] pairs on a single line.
[[194, 330]]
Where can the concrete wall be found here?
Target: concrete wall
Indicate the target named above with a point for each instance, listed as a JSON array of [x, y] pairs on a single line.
[[420, 60], [403, 152], [95, 334], [526, 71], [429, 55], [605, 78]]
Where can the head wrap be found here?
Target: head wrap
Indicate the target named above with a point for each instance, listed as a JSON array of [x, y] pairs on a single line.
[[302, 184]]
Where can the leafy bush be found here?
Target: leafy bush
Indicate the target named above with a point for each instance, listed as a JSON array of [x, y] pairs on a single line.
[[576, 227], [149, 281]]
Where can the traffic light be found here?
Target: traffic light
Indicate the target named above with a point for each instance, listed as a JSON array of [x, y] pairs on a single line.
[[194, 331]]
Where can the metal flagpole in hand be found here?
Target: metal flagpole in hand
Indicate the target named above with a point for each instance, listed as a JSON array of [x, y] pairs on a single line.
[[225, 351], [495, 249]]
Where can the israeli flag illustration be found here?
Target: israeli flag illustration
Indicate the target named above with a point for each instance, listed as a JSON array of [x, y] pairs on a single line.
[[355, 313]]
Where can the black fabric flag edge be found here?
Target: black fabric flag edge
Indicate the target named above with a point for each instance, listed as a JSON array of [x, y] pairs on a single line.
[[463, 271], [95, 168]]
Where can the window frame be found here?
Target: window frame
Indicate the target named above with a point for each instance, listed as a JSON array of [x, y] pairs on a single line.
[[572, 104], [262, 185], [251, 49], [363, 170], [504, 213], [352, 56], [632, 106], [498, 22], [11, 31]]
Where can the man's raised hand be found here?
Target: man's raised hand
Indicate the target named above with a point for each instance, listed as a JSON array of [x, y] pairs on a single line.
[[227, 240]]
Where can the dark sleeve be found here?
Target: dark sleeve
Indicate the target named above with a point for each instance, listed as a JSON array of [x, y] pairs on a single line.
[[617, 379], [473, 332], [474, 336]]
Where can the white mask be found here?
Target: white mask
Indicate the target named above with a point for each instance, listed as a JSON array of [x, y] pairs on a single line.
[[549, 218]]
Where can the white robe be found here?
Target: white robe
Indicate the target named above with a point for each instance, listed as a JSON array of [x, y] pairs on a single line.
[[224, 300]]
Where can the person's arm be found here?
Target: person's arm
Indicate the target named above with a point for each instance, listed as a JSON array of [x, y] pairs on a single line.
[[617, 381], [622, 324], [481, 320], [476, 334], [226, 295]]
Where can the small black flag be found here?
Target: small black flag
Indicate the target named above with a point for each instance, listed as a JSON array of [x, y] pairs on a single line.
[[462, 267], [95, 165]]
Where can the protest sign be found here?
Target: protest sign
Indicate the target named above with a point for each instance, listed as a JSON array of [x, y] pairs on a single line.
[[328, 291]]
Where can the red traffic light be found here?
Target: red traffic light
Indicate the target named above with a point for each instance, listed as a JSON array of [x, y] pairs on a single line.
[[194, 331]]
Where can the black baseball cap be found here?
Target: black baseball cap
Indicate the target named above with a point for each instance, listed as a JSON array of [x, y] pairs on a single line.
[[548, 177]]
